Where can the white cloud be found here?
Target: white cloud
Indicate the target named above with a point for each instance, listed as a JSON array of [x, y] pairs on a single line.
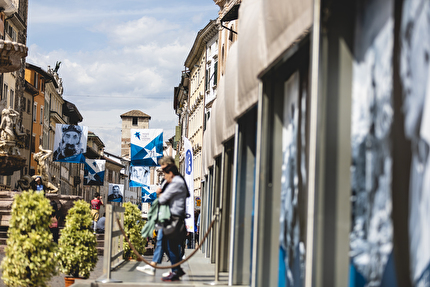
[[128, 58]]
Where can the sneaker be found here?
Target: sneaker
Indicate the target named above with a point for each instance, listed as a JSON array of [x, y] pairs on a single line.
[[180, 273], [165, 274], [148, 269], [172, 277]]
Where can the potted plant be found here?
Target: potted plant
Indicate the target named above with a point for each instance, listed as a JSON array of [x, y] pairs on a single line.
[[133, 224], [77, 253], [30, 251]]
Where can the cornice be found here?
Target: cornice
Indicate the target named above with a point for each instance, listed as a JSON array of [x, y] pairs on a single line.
[[199, 46]]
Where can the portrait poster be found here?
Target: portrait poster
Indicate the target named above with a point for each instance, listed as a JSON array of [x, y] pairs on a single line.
[[116, 192], [148, 193], [139, 176], [94, 171], [371, 234], [146, 146], [415, 80], [70, 143], [291, 244]]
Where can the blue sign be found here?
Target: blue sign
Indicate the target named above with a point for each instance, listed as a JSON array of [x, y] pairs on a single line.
[[189, 162]]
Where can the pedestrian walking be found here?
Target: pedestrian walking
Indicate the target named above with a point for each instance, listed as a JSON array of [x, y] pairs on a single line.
[[174, 195]]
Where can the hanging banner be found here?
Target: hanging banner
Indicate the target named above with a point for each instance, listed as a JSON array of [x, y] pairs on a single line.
[[148, 193], [116, 192], [70, 143], [146, 146], [415, 80], [94, 171], [139, 176], [371, 234], [189, 179]]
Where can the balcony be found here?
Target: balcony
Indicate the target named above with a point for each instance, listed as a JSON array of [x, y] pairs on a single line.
[[11, 53]]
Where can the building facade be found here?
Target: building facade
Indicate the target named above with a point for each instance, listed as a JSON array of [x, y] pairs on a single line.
[[200, 75]]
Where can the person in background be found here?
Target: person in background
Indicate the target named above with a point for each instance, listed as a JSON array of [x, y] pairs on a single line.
[[100, 226], [95, 208], [37, 184], [53, 226]]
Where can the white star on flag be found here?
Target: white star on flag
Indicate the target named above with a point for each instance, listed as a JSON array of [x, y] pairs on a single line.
[[152, 154], [90, 176], [146, 197]]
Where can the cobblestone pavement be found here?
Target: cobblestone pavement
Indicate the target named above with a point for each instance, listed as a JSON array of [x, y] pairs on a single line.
[[58, 281]]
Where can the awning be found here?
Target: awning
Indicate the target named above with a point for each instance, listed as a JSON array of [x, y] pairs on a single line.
[[226, 101], [284, 22], [251, 54]]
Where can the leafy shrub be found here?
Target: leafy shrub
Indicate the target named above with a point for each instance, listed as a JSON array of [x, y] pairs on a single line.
[[133, 224], [30, 251], [77, 243]]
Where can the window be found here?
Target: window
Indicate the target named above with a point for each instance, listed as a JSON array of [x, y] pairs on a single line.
[[28, 106], [5, 90], [41, 115], [12, 94], [35, 112], [13, 35], [134, 121], [35, 81], [33, 143], [207, 79], [24, 105], [215, 73]]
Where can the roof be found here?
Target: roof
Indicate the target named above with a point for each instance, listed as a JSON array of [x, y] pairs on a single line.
[[136, 113]]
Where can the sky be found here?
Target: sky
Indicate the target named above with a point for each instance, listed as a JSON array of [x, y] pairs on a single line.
[[117, 56]]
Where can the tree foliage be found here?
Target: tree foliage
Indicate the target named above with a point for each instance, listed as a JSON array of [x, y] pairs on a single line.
[[133, 224], [77, 243], [30, 251]]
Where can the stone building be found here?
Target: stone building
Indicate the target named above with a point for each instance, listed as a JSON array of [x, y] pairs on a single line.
[[134, 119], [13, 36]]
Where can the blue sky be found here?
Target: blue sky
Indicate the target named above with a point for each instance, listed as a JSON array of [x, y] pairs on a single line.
[[117, 56]]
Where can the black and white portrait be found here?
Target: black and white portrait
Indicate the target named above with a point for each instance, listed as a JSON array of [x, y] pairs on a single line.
[[116, 192], [139, 176], [70, 143], [371, 235], [415, 75]]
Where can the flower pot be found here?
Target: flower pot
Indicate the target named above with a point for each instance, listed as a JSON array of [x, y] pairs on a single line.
[[69, 281]]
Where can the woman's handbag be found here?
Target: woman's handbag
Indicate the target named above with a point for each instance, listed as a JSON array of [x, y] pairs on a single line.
[[175, 228]]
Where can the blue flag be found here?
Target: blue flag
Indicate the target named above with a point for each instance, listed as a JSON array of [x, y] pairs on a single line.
[[148, 195], [94, 171], [146, 146]]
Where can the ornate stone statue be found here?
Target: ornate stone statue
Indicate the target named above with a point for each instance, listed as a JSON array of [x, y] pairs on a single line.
[[10, 132], [42, 158]]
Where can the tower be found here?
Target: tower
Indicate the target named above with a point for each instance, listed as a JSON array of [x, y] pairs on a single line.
[[134, 119]]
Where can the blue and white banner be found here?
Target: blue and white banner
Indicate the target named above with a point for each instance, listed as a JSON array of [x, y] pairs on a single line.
[[139, 176], [148, 193], [70, 143], [189, 179], [146, 146], [94, 171]]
